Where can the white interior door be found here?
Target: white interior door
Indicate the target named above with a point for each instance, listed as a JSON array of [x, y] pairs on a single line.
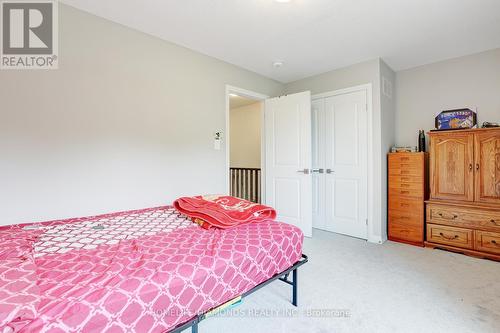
[[318, 162], [288, 159], [346, 174]]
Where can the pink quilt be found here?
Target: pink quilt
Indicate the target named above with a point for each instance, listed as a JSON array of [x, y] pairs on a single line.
[[138, 271]]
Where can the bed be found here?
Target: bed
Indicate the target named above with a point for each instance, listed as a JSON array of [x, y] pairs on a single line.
[[149, 270]]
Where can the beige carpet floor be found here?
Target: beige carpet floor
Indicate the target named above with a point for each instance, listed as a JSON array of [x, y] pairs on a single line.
[[350, 285]]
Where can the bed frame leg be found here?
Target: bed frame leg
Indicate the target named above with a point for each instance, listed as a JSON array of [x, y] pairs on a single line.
[[194, 328], [294, 288]]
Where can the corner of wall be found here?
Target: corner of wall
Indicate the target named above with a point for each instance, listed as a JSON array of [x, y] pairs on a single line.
[[387, 79]]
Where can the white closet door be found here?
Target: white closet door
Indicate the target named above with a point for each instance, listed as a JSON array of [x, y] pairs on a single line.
[[346, 185], [288, 159], [318, 162]]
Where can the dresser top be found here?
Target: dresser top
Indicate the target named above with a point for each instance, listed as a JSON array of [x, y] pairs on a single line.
[[466, 130]]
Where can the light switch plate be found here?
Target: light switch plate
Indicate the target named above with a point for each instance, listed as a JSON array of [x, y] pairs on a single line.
[[217, 140]]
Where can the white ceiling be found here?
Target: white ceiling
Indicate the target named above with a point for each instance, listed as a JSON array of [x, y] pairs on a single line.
[[313, 36]]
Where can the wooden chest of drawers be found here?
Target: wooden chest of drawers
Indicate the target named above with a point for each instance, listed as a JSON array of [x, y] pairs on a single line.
[[407, 192], [463, 214], [470, 229]]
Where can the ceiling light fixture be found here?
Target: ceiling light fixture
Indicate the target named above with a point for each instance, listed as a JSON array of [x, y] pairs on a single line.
[[282, 1], [278, 64], [233, 95]]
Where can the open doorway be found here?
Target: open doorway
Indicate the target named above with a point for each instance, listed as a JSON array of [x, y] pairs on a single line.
[[245, 152], [285, 172]]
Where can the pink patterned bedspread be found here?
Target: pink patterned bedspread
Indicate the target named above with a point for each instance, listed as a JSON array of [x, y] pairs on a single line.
[[138, 271]]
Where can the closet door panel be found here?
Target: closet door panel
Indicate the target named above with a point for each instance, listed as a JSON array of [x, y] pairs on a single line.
[[346, 164], [318, 162]]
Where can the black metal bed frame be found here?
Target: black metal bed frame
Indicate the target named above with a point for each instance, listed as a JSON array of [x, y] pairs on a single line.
[[283, 276]]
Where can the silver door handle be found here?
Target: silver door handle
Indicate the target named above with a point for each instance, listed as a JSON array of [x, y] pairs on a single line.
[[329, 171], [318, 170], [305, 171]]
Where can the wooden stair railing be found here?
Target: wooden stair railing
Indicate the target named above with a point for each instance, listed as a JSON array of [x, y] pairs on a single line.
[[246, 183]]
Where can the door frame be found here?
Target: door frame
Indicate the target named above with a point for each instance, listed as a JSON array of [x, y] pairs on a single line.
[[258, 97], [370, 159]]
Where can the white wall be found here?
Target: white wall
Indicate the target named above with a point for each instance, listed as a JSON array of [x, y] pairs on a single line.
[[422, 92], [245, 136], [366, 72], [388, 134], [126, 122]]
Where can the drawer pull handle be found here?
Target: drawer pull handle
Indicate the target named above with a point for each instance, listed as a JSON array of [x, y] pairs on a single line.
[[405, 192], [448, 238], [405, 172], [494, 222], [494, 242], [405, 179], [470, 167], [405, 205], [405, 185], [448, 218], [477, 167], [405, 158]]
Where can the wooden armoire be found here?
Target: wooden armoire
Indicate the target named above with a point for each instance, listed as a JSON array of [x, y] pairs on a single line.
[[463, 212]]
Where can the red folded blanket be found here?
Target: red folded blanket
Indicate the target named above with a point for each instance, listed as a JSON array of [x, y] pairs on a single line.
[[223, 211]]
